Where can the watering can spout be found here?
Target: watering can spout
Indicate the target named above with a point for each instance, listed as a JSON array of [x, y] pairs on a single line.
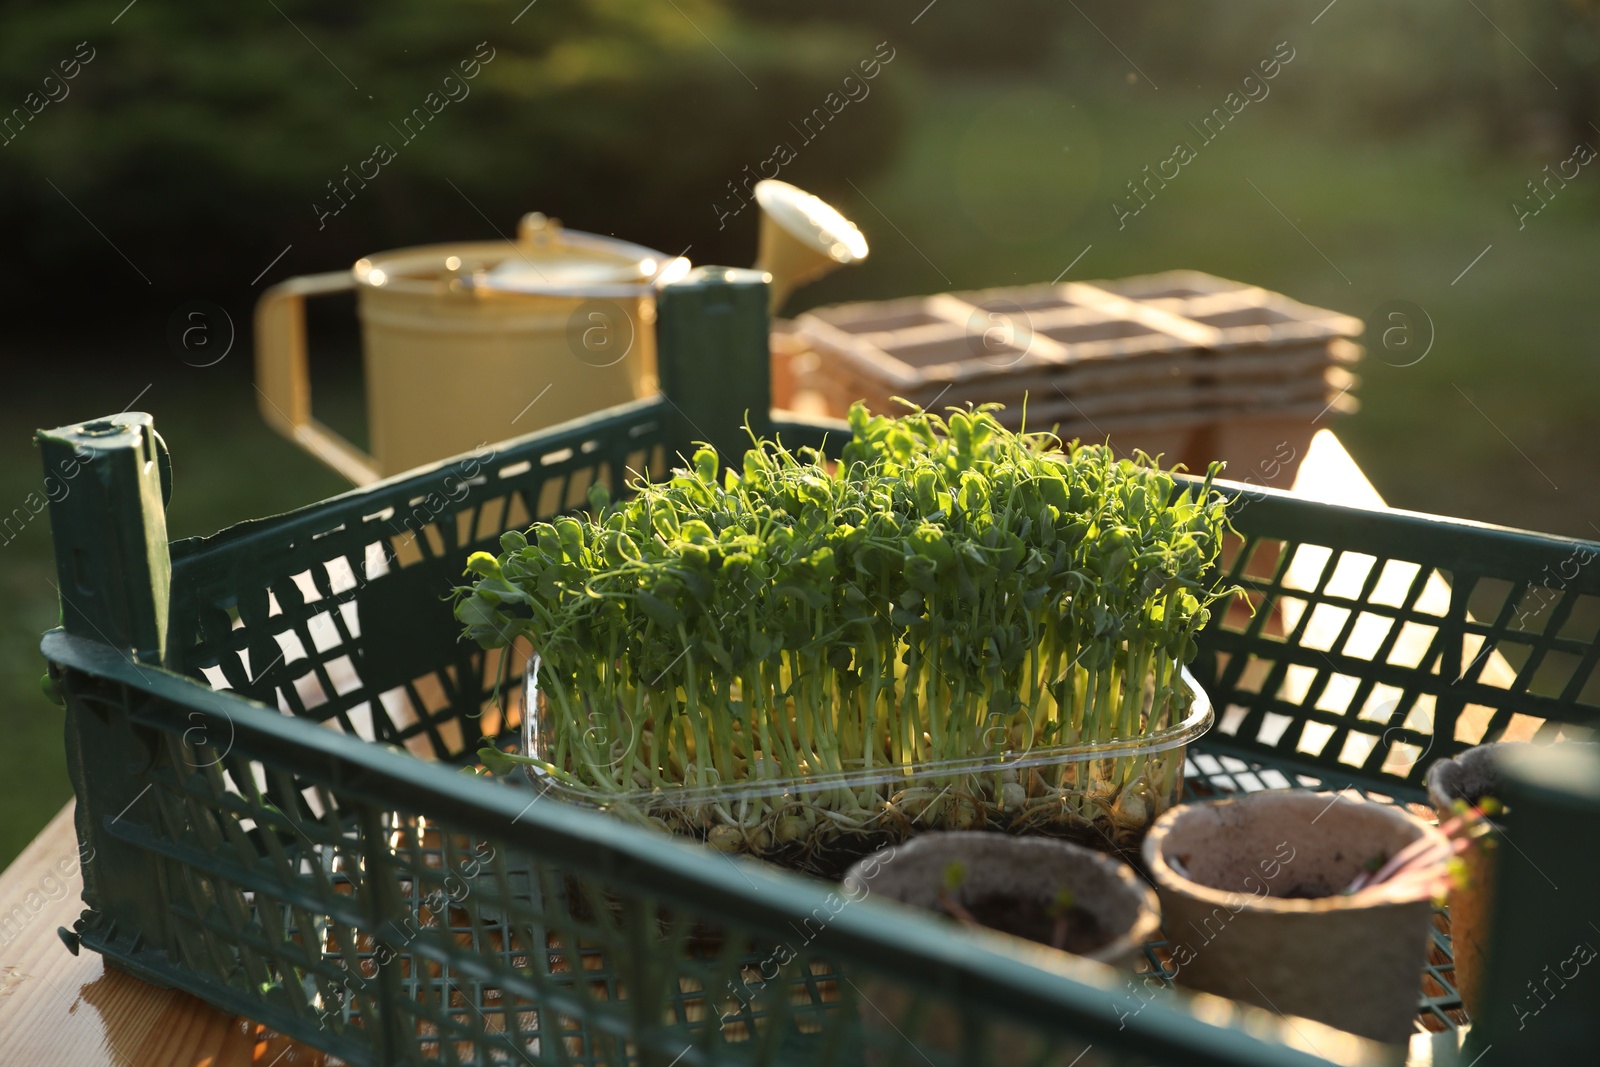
[[802, 238]]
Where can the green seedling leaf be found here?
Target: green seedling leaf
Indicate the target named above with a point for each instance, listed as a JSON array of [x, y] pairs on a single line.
[[496, 762], [1061, 903], [955, 876]]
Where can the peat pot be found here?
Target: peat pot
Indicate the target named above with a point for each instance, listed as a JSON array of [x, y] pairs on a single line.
[[1038, 868], [1471, 776], [1033, 867], [1245, 888]]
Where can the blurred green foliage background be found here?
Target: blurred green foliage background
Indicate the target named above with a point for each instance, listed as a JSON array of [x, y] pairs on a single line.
[[189, 150]]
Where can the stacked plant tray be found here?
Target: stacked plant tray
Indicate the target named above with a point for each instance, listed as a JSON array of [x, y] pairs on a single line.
[[1181, 363]]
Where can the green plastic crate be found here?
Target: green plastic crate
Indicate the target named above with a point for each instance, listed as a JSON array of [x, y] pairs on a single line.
[[244, 714]]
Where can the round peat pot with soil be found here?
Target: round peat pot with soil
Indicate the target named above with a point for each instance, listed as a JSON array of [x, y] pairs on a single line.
[[1255, 905], [1054, 892], [1037, 889]]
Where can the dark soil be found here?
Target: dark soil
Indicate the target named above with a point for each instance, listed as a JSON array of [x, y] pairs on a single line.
[[1073, 930], [1303, 892]]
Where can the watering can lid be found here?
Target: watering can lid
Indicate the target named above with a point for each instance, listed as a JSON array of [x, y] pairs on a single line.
[[546, 261], [553, 261]]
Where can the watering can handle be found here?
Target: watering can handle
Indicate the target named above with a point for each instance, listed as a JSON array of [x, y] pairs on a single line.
[[283, 383]]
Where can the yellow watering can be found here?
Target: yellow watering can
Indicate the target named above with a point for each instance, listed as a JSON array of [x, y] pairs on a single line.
[[468, 343]]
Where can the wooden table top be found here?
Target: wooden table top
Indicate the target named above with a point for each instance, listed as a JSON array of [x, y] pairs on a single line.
[[61, 1009]]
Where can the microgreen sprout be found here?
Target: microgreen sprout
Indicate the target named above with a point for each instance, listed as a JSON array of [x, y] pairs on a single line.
[[1060, 913], [955, 876], [949, 590], [1062, 902]]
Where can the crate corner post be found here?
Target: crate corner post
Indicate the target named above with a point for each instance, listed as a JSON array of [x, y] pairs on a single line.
[[713, 354], [1539, 924], [107, 481]]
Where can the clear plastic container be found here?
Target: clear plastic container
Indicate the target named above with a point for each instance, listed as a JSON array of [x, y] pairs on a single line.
[[1103, 793]]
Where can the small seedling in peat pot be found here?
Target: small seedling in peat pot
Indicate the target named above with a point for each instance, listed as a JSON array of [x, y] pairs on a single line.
[[1429, 867], [1057, 922]]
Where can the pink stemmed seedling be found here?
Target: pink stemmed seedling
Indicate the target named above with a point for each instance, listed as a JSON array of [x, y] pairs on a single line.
[[1430, 866]]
